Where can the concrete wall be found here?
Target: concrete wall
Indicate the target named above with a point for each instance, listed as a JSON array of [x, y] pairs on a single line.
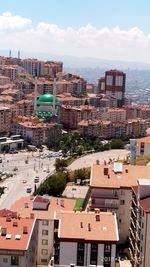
[[49, 247], [68, 253]]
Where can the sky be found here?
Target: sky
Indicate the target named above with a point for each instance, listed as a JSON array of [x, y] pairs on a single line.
[[112, 29]]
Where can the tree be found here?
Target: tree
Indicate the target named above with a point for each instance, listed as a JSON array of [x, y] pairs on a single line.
[[60, 164], [81, 174], [116, 144], [54, 185]]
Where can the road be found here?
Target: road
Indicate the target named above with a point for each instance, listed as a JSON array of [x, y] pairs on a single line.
[[90, 159], [16, 188], [37, 167]]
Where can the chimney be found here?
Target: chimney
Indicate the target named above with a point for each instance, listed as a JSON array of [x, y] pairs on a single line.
[[81, 224], [105, 170], [62, 203], [26, 205], [8, 219], [25, 230], [15, 224], [3, 231], [97, 217], [31, 215], [89, 227]]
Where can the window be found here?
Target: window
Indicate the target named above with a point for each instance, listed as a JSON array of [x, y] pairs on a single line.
[[45, 222], [5, 260], [107, 248], [80, 254], [14, 260], [94, 254], [122, 202], [44, 260], [44, 242], [44, 232], [44, 251]]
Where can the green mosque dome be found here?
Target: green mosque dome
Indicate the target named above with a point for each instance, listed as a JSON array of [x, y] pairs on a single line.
[[49, 98]]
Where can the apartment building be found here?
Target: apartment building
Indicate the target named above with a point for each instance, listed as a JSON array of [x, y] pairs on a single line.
[[33, 66], [11, 71], [69, 100], [43, 210], [143, 146], [38, 133], [85, 238], [113, 115], [70, 116], [25, 107], [4, 80], [5, 120], [51, 68], [140, 224], [110, 190], [108, 129], [18, 241], [113, 84], [89, 127], [102, 101]]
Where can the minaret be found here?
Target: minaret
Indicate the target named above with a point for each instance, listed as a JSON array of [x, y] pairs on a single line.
[[54, 97], [9, 53], [35, 95], [19, 54]]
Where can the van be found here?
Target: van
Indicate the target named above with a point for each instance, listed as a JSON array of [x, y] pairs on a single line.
[[36, 179], [29, 189]]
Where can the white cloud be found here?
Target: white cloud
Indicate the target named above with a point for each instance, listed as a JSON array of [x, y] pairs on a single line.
[[87, 41], [13, 23]]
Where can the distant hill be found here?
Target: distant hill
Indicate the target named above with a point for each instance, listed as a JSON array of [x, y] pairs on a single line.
[[138, 73]]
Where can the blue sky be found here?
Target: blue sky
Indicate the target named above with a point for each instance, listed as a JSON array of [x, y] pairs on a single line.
[[75, 13], [108, 29]]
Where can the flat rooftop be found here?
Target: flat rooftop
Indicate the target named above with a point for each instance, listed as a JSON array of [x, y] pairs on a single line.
[[84, 225], [126, 179], [24, 206], [14, 238]]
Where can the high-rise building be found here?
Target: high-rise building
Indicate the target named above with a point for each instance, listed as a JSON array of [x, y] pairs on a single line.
[[33, 66], [113, 84]]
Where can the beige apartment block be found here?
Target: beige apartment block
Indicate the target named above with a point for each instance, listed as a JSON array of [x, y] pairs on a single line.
[[85, 238], [110, 190], [140, 225], [18, 242]]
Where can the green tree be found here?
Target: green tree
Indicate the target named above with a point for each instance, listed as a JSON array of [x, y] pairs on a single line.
[[81, 174], [60, 164], [116, 144], [53, 185]]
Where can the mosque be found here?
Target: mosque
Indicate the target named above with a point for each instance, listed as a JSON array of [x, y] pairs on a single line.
[[47, 106]]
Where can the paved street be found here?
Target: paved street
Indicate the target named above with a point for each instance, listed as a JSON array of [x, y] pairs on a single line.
[[38, 167], [88, 160], [26, 172]]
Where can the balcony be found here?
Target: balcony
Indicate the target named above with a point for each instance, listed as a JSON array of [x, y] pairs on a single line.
[[134, 202], [131, 243], [104, 203], [131, 231], [133, 211], [133, 222], [104, 196]]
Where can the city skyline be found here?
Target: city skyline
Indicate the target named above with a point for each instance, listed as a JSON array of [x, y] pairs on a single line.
[[85, 29]]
